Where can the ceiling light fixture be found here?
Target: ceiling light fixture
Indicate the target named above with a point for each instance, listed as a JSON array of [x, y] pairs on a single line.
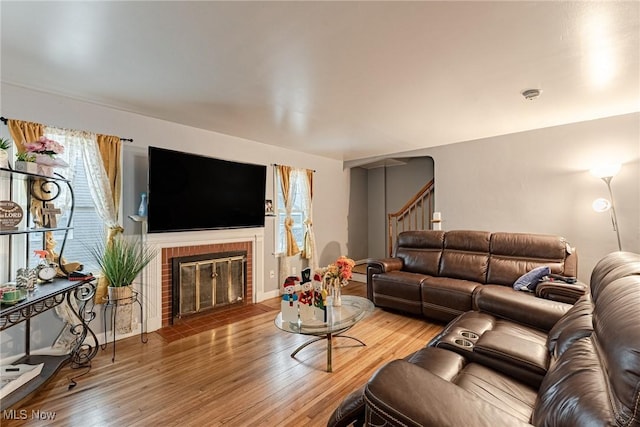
[[531, 94]]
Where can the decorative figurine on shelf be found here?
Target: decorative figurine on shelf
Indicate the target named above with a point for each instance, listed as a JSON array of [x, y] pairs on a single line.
[[319, 298], [46, 271], [63, 267], [49, 212], [142, 209], [306, 296], [289, 303], [26, 279]]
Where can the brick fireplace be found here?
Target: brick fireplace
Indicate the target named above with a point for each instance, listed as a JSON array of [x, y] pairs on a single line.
[[157, 283], [186, 251]]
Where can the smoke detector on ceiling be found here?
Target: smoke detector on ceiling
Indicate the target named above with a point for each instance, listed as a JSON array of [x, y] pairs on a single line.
[[531, 94]]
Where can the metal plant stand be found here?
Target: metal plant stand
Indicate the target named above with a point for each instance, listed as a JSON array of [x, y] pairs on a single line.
[[112, 305]]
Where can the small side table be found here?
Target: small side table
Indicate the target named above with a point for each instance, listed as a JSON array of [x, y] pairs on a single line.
[[112, 305]]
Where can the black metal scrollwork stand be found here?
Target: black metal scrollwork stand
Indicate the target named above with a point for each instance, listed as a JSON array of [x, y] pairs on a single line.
[[83, 351], [85, 343]]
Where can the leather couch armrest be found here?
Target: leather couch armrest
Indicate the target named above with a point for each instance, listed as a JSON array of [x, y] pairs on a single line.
[[560, 291], [521, 307], [514, 356], [402, 393], [382, 265]]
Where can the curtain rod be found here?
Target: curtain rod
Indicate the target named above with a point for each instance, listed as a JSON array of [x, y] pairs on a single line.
[[5, 120], [275, 164]]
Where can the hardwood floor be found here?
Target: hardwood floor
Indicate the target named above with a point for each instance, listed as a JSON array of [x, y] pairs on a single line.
[[236, 374]]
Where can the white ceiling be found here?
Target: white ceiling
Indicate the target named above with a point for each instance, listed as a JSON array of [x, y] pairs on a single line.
[[346, 80]]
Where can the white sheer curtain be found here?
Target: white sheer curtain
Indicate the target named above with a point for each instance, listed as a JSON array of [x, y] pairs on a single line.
[[83, 144]]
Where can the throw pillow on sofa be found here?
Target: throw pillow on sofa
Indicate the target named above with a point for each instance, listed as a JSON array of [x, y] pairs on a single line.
[[529, 281]]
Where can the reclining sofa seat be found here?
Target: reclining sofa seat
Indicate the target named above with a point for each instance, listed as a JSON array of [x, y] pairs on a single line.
[[593, 377], [437, 273]]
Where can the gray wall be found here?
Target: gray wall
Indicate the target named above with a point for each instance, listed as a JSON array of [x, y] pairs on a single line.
[[358, 219], [538, 181], [387, 190], [377, 225], [403, 182]]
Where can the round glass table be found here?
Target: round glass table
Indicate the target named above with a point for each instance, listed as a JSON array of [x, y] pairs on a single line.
[[338, 320]]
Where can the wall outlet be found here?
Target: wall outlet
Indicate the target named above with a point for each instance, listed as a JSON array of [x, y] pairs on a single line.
[[272, 274]]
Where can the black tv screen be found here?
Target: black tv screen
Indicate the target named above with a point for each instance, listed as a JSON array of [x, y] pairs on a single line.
[[193, 192]]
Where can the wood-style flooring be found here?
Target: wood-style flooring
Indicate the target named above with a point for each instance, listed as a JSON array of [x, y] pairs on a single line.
[[238, 373]]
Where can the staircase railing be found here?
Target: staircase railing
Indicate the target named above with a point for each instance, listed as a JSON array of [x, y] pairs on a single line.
[[414, 215]]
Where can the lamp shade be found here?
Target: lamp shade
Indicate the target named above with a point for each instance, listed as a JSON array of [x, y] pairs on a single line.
[[601, 205], [605, 171]]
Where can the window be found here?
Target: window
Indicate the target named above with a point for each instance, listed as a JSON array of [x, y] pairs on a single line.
[[89, 230], [298, 195]]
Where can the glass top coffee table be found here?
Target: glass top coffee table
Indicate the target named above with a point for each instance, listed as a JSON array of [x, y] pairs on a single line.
[[339, 320]]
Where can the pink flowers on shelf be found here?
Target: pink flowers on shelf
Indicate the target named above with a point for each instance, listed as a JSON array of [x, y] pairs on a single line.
[[44, 145], [45, 150]]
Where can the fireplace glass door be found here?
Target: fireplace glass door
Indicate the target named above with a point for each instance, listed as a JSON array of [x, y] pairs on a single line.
[[211, 283]]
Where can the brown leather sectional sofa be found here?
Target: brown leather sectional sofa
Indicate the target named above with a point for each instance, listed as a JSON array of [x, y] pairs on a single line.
[[490, 369], [438, 274]]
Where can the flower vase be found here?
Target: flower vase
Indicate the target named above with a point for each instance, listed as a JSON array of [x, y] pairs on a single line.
[[142, 209], [336, 293], [28, 167]]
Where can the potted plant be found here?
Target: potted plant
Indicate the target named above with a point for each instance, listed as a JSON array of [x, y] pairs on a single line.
[[25, 162], [4, 156], [121, 261]]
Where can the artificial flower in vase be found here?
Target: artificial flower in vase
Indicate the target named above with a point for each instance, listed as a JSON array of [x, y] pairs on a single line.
[[336, 276], [45, 150]]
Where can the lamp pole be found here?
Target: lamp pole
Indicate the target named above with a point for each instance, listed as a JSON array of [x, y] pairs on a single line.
[[614, 217]]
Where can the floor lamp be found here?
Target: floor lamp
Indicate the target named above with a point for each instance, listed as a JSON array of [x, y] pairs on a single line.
[[606, 173]]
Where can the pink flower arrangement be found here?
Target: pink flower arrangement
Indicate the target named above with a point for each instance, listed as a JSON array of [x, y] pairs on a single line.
[[340, 271], [44, 145], [45, 150]]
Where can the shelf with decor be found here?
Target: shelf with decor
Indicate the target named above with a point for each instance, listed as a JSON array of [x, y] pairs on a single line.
[[37, 189], [39, 288]]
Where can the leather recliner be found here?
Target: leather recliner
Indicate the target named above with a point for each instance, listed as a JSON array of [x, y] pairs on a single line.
[[588, 373], [504, 379]]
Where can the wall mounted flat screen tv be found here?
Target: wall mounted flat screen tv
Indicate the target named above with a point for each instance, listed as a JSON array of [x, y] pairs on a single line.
[[194, 192]]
